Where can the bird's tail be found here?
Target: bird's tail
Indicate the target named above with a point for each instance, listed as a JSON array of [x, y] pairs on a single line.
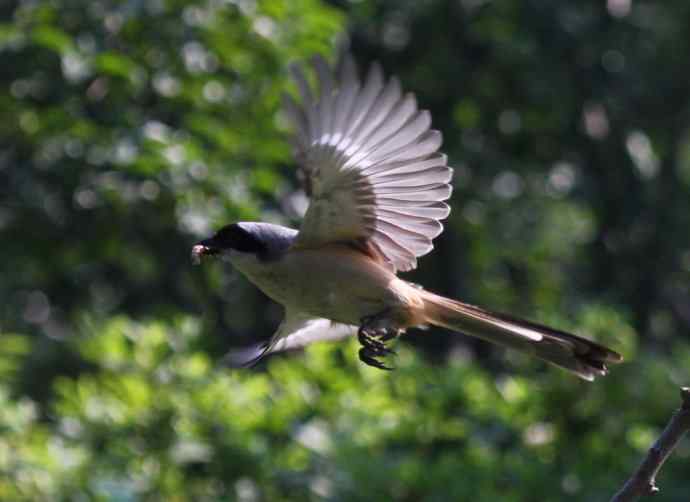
[[576, 354]]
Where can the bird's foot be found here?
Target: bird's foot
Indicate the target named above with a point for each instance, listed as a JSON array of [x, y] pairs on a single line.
[[372, 334], [370, 358]]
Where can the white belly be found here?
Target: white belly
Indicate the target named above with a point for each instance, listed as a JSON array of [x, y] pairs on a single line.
[[324, 284]]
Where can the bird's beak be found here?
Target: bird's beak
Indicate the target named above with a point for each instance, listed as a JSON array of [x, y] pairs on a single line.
[[201, 249]]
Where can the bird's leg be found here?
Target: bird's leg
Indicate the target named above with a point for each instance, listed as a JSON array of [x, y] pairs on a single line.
[[373, 332]]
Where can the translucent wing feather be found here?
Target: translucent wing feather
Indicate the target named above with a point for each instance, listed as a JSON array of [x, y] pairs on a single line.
[[295, 332], [371, 162]]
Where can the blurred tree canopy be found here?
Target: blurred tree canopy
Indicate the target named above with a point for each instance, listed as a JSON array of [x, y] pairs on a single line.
[[131, 129]]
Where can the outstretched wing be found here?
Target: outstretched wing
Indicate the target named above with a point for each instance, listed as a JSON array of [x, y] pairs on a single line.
[[295, 332], [371, 161]]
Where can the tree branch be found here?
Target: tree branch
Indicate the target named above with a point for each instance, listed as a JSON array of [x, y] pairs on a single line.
[[643, 481]]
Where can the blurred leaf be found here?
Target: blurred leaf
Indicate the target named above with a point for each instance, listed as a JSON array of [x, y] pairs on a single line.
[[115, 64], [53, 38]]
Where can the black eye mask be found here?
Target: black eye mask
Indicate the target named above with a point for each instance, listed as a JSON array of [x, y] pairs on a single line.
[[235, 237]]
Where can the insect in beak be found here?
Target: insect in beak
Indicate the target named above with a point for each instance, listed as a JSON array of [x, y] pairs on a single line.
[[200, 250]]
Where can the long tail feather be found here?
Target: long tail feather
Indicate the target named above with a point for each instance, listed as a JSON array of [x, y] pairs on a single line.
[[583, 357]]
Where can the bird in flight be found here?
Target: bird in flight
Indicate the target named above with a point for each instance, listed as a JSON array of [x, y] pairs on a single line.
[[377, 185]]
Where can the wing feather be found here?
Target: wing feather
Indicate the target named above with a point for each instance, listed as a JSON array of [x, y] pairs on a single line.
[[434, 175], [364, 100], [435, 210], [371, 161], [386, 168], [404, 137], [296, 331], [379, 111]]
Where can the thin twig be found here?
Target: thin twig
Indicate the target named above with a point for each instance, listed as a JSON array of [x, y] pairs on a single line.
[[643, 481]]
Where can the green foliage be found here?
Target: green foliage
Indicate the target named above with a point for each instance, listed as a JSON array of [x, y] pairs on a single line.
[[128, 130], [157, 419]]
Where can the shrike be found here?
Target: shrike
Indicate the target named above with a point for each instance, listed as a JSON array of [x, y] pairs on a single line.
[[377, 184]]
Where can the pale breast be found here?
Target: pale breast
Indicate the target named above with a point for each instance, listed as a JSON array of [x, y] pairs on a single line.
[[326, 282]]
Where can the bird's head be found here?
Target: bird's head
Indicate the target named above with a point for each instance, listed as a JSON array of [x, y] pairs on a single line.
[[240, 241], [236, 238]]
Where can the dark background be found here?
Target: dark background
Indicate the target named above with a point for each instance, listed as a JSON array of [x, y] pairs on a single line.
[[129, 130]]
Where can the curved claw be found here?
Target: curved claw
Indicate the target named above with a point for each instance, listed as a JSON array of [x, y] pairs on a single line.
[[373, 342], [369, 358]]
